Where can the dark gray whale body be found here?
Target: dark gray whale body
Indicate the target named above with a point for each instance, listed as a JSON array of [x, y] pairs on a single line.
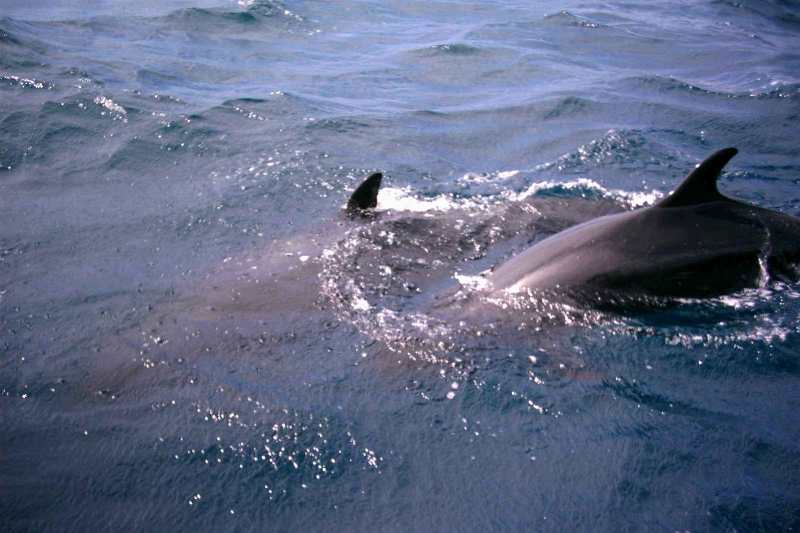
[[694, 243]]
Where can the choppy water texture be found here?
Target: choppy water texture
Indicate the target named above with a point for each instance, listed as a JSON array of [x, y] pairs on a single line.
[[193, 337]]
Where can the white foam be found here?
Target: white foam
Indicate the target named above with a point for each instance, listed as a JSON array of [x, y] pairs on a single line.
[[473, 283], [109, 104], [500, 175], [26, 82], [402, 199], [505, 174], [631, 199], [360, 304]]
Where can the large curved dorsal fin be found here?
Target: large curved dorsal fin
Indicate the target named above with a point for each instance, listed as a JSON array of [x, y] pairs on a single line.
[[366, 195], [700, 186]]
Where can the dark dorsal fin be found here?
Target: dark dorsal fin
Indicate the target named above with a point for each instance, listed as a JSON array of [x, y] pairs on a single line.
[[700, 186], [366, 195]]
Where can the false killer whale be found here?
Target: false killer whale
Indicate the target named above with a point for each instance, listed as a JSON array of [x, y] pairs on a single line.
[[693, 243]]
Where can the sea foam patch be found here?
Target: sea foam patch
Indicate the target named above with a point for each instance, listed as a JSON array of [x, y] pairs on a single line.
[[404, 199]]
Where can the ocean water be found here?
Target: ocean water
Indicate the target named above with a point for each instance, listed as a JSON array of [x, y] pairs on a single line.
[[193, 336]]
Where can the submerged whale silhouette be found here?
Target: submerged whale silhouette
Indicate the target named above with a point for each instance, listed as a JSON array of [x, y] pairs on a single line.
[[693, 243]]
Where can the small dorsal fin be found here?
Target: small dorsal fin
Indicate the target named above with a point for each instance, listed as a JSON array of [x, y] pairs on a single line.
[[366, 195], [700, 186]]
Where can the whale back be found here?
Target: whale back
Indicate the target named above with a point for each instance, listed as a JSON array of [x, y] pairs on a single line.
[[695, 242]]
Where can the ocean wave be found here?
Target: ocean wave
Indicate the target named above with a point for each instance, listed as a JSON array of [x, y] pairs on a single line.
[[616, 147], [781, 12], [569, 106], [567, 19], [271, 105], [192, 17], [180, 135], [270, 8], [57, 127], [20, 50], [773, 90], [254, 12], [338, 124], [135, 153], [549, 108], [6, 37], [447, 50]]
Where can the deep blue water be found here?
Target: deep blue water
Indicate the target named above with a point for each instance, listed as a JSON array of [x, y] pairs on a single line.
[[193, 337]]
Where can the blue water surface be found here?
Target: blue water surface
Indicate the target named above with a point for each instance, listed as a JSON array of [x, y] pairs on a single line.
[[194, 338]]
